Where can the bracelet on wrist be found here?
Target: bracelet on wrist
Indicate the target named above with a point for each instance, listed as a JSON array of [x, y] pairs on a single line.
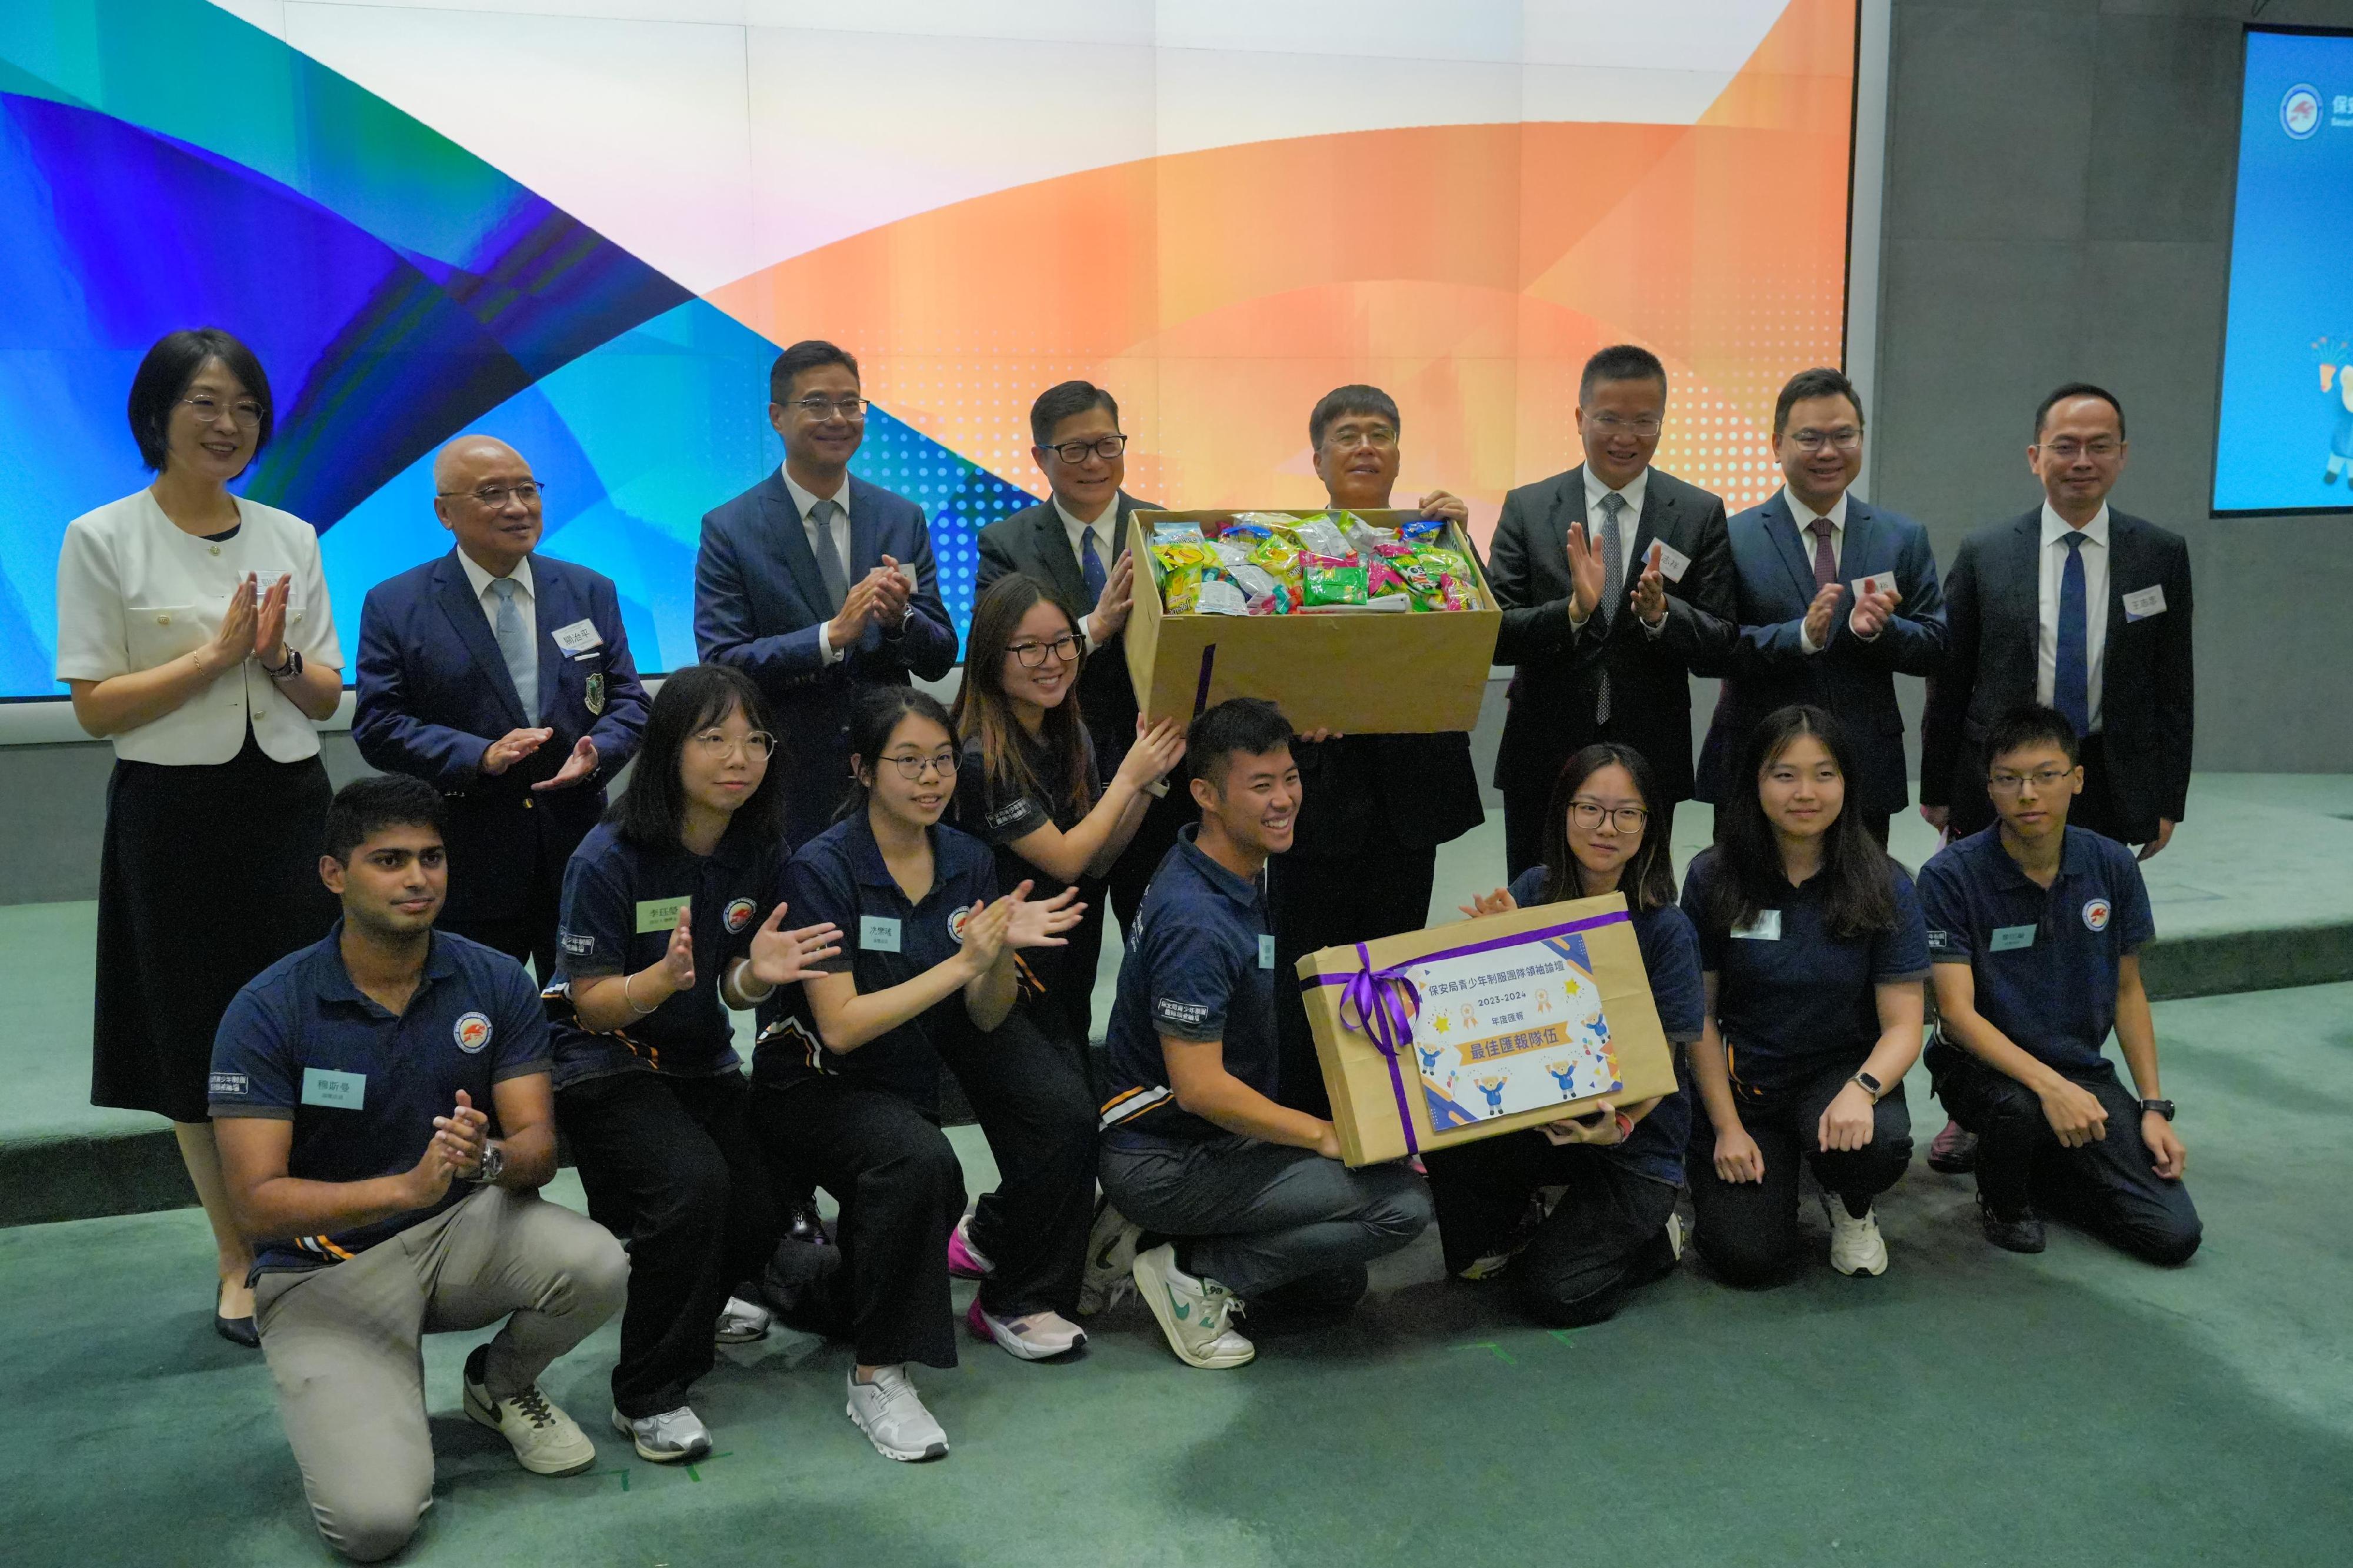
[[632, 1000]]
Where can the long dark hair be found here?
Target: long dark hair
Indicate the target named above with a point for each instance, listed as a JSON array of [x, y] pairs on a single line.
[[652, 808], [983, 709], [1749, 878], [877, 712], [1648, 878]]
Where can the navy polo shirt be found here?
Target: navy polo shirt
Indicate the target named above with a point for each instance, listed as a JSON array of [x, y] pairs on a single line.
[[619, 908], [2045, 962], [1671, 957], [886, 940], [1795, 999], [1199, 967], [302, 1043], [996, 814]]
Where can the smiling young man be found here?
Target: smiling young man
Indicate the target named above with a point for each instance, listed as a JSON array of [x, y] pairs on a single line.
[[1248, 1198], [2034, 932], [381, 1103]]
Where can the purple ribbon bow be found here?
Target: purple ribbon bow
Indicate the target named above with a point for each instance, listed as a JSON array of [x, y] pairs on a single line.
[[1385, 1019]]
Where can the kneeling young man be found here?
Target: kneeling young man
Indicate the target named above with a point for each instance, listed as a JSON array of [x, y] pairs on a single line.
[[1249, 1197], [381, 1103], [2035, 928]]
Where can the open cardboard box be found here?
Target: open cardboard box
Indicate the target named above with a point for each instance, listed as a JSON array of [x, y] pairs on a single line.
[[1356, 672], [1524, 1019]]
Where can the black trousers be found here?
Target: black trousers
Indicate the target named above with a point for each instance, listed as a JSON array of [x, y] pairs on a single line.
[[1032, 1098], [670, 1167], [1748, 1230], [2110, 1188], [1067, 974], [1318, 903], [1604, 1239], [2094, 808]]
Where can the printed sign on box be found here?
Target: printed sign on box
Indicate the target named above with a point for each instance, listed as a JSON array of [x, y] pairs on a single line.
[[1509, 1029]]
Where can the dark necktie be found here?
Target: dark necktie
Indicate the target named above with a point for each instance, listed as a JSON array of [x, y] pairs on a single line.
[[1825, 563], [1091, 566], [1613, 586], [2071, 680]]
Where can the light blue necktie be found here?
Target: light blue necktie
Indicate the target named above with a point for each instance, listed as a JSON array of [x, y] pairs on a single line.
[[515, 647], [2071, 680], [1613, 586]]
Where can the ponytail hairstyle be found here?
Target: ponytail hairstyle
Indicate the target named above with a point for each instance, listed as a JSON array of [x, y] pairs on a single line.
[[877, 713], [1648, 879], [985, 711], [1860, 895]]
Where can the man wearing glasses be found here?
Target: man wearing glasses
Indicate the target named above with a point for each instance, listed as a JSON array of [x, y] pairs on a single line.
[[818, 584], [502, 678], [1835, 598], [1614, 582]]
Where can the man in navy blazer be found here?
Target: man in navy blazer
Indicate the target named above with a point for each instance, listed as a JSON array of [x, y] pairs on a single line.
[[1835, 599], [814, 605], [503, 680]]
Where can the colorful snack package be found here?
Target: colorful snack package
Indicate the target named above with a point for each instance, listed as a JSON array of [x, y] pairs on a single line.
[[1176, 532], [1264, 593], [1422, 529], [1320, 536], [1381, 577], [1256, 526], [1230, 554], [1365, 536], [1328, 580], [1219, 597], [1449, 567], [1454, 592], [1181, 591], [1176, 556]]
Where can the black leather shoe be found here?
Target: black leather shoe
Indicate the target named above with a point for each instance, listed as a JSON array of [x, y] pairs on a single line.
[[2021, 1233], [237, 1331]]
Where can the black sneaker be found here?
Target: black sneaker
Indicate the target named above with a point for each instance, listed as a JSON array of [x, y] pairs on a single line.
[[2022, 1233], [1954, 1151]]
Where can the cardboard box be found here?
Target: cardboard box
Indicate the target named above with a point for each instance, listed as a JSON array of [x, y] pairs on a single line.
[[1508, 1022], [1357, 672]]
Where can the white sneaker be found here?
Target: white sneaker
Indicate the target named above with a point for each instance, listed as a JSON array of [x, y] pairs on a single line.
[[672, 1437], [892, 1416], [1678, 1235], [1033, 1336], [1194, 1313], [546, 1441], [1856, 1246], [1111, 1255], [742, 1321]]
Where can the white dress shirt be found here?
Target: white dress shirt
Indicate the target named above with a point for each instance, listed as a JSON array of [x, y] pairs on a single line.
[[1629, 523], [2094, 551], [1805, 517], [134, 592], [1106, 529], [527, 602], [836, 540]]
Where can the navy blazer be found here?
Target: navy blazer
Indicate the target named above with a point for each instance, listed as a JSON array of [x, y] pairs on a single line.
[[1765, 665], [2148, 679], [434, 692], [758, 602]]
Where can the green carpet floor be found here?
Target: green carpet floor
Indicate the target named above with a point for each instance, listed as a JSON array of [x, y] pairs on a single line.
[[1969, 1407]]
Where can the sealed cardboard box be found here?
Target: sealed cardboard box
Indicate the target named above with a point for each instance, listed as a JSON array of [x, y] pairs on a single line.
[[1484, 1027], [1357, 671]]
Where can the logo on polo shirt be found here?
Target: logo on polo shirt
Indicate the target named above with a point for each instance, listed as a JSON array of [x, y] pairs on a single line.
[[223, 1084], [1006, 816], [739, 914], [2096, 915], [1168, 1010], [580, 943], [1941, 941], [473, 1032], [958, 920]]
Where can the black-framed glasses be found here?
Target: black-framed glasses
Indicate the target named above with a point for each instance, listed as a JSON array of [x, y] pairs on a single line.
[[913, 765], [1589, 814], [1034, 654], [245, 413], [1846, 439], [2002, 782], [819, 408], [757, 745], [1103, 446], [496, 496]]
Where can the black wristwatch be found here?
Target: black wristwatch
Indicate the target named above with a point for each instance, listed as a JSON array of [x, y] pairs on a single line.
[[2162, 1106], [1870, 1086], [290, 669]]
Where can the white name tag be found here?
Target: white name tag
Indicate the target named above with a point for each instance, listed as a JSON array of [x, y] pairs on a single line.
[[579, 636], [1765, 927], [2147, 602], [878, 933], [1672, 562], [1265, 950], [2009, 939], [342, 1090], [1877, 583]]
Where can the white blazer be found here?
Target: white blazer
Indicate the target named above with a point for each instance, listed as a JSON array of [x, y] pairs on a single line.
[[134, 592]]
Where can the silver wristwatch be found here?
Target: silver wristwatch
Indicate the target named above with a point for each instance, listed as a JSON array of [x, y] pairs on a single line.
[[495, 1160]]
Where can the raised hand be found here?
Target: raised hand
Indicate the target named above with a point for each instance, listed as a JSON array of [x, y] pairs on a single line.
[[1650, 595], [581, 764], [1873, 611], [1118, 597], [1042, 923], [1819, 611], [679, 958], [467, 1132], [512, 748], [269, 622], [1499, 902], [984, 934], [1585, 571], [233, 644], [781, 957], [1157, 749]]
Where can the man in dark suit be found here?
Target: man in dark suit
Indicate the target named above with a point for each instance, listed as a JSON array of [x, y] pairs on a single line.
[[2080, 608], [502, 678], [1834, 599], [818, 584], [1075, 543], [1615, 581]]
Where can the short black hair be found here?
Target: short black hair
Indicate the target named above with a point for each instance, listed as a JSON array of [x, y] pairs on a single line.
[[2077, 389], [2032, 724], [1619, 361], [1820, 382], [163, 377], [1354, 398], [368, 806], [806, 355], [652, 809], [1063, 400], [1247, 725]]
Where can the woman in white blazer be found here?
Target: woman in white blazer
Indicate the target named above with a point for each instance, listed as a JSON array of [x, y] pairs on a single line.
[[194, 632]]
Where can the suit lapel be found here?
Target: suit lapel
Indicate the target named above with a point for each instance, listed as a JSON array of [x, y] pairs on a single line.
[[1861, 555], [464, 613], [783, 521], [1781, 527], [2124, 575], [1069, 582], [865, 532]]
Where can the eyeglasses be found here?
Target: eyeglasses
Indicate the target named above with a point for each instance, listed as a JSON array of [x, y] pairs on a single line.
[[1379, 437], [756, 745], [2010, 783], [914, 764], [2067, 449], [245, 414], [1034, 654], [495, 496], [1103, 446], [1587, 815], [1846, 439], [819, 408], [1610, 424]]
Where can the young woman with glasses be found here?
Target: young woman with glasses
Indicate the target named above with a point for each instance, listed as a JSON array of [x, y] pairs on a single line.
[[846, 1078]]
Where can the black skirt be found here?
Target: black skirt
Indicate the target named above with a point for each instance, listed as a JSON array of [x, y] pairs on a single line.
[[209, 875]]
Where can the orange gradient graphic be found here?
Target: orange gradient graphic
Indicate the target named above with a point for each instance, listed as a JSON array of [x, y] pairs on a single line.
[[1467, 269]]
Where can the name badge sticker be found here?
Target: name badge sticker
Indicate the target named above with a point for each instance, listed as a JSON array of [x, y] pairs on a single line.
[[1673, 563], [2009, 939], [660, 914], [878, 933], [1265, 950], [579, 638], [2147, 602], [336, 1090], [1877, 583], [1765, 927]]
